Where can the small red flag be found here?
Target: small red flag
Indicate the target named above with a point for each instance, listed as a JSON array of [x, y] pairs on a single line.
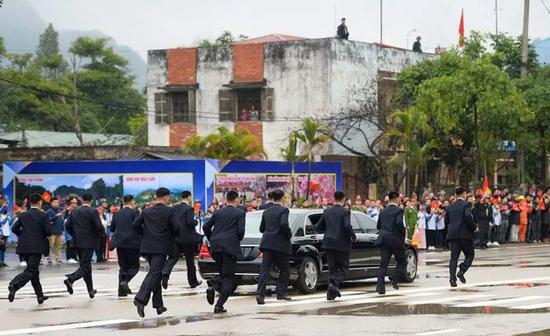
[[46, 196], [486, 190], [461, 30]]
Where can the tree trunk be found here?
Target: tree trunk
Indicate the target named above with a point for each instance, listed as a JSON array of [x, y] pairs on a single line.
[[478, 146], [308, 176], [292, 163], [77, 128]]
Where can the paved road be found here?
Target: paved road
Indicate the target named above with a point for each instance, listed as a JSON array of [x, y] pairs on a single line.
[[508, 293]]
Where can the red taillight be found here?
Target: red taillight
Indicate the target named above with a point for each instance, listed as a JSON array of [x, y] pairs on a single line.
[[204, 252], [260, 256]]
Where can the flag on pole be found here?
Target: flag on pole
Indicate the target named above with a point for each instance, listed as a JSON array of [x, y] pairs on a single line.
[[486, 190], [461, 30]]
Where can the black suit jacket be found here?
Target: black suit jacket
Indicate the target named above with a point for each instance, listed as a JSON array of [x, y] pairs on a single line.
[[482, 213], [124, 234], [276, 230], [391, 227], [225, 230], [85, 227], [33, 228], [188, 235], [459, 220], [158, 226], [266, 205], [336, 224]]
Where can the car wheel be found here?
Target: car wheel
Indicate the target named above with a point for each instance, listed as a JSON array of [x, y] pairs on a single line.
[[308, 277], [412, 265]]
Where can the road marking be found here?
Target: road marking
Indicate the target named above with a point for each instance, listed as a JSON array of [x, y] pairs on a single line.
[[63, 327], [499, 302], [448, 299], [534, 306], [437, 332]]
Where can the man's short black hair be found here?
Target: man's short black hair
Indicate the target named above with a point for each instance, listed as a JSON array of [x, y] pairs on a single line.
[[393, 195], [35, 199], [185, 194], [54, 199], [339, 196], [127, 199], [343, 19], [277, 195], [87, 197], [460, 191], [232, 195], [161, 192], [270, 195]]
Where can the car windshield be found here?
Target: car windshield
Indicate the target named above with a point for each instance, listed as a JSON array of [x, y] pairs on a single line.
[[253, 220]]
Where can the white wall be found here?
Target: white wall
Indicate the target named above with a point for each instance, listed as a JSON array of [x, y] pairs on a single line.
[[159, 134]]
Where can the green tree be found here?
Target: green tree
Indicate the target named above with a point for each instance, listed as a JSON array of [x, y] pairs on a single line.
[[48, 56], [312, 134], [290, 154], [138, 129], [224, 145]]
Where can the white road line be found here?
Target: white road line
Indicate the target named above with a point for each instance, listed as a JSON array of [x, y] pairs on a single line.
[[437, 332], [448, 299], [300, 298], [500, 302], [534, 306], [63, 327]]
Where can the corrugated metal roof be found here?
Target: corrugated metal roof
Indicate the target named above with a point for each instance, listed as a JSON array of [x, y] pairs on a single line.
[[58, 139]]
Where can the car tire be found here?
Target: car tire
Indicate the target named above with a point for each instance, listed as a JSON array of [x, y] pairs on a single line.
[[308, 276], [412, 265]]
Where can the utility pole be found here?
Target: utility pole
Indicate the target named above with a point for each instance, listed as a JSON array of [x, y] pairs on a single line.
[[525, 38], [496, 16], [380, 21]]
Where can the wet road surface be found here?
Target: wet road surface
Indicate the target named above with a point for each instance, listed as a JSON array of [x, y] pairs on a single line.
[[507, 293]]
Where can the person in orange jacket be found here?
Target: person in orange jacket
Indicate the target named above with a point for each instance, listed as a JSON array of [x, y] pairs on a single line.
[[525, 209]]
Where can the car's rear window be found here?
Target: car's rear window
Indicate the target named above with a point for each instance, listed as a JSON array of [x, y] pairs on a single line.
[[253, 220]]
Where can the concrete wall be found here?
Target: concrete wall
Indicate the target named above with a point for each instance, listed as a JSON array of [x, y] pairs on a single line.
[[157, 76]]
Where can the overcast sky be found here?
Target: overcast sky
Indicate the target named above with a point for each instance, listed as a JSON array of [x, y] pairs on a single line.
[[159, 24]]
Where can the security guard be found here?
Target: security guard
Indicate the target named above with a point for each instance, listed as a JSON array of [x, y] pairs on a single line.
[[275, 246], [225, 230], [33, 228]]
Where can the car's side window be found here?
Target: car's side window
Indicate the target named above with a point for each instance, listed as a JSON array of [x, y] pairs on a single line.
[[356, 226], [367, 223], [310, 221]]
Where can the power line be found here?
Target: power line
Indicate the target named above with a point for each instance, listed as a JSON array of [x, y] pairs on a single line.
[[545, 6]]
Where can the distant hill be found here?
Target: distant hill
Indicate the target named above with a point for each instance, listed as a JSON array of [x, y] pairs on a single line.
[[543, 49], [21, 26]]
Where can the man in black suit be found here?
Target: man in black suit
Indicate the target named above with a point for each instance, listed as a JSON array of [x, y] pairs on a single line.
[[335, 223], [33, 228], [127, 242], [159, 226], [342, 31], [391, 239], [275, 246], [85, 226], [268, 203], [186, 242], [225, 230], [460, 234]]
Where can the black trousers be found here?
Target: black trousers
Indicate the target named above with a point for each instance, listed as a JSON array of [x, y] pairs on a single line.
[[151, 283], [85, 269], [128, 262], [177, 250], [224, 282], [100, 252], [431, 238], [483, 233], [281, 260], [386, 253], [465, 246], [338, 265], [30, 273], [70, 251]]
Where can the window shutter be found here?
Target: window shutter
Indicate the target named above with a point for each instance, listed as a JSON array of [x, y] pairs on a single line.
[[267, 104], [160, 108], [192, 105], [227, 105]]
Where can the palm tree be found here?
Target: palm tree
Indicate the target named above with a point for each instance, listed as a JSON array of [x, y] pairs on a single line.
[[311, 135], [290, 154], [224, 145]]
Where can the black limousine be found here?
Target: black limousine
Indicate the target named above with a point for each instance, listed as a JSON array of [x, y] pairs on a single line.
[[308, 263]]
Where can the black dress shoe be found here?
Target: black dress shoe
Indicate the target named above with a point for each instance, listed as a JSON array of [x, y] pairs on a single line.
[[260, 299], [218, 310], [164, 282], [460, 276], [122, 292], [92, 293], [127, 289], [453, 283], [197, 284], [161, 310], [11, 296], [210, 295], [41, 299], [140, 308], [395, 285], [381, 291], [69, 286], [284, 298]]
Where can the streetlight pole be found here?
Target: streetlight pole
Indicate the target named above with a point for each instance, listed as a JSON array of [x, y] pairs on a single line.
[[380, 21]]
